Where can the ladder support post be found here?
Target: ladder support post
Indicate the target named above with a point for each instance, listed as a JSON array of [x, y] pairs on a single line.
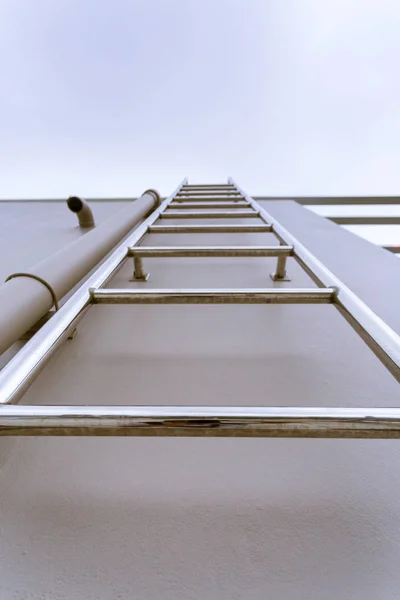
[[280, 273], [138, 273]]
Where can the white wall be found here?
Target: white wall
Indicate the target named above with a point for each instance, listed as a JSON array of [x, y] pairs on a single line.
[[212, 518]]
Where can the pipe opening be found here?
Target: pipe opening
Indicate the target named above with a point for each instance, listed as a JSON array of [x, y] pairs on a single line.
[[82, 209], [75, 204]]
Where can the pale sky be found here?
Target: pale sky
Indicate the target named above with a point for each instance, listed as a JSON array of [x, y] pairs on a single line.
[[110, 97]]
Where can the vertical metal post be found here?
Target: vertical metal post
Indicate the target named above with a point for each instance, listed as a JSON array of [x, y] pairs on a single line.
[[138, 274], [280, 273]]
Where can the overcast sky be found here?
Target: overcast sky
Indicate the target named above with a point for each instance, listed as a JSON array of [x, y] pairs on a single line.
[[290, 97]]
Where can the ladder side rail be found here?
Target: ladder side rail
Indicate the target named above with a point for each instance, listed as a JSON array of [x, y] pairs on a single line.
[[377, 334], [17, 375]]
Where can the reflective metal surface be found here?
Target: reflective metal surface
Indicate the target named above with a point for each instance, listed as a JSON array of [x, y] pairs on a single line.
[[178, 205], [190, 187], [231, 192], [200, 421], [193, 214], [214, 296], [209, 251], [215, 197], [280, 273], [210, 228]]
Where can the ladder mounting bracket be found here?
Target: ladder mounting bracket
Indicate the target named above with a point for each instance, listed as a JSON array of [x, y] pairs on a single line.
[[276, 277], [144, 277]]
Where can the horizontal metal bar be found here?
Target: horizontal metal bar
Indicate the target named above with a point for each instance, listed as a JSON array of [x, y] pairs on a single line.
[[212, 198], [213, 296], [240, 228], [200, 421], [381, 338], [209, 251], [233, 214], [208, 186], [228, 193], [207, 205], [334, 200], [394, 249], [365, 220]]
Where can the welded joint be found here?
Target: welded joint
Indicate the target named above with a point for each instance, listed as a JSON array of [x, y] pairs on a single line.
[[335, 292]]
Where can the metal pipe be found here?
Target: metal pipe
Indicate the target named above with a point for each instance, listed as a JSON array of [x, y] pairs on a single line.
[[280, 273], [138, 273], [381, 338], [200, 421], [213, 296], [209, 251], [24, 300], [233, 214], [23, 368], [259, 228], [81, 208]]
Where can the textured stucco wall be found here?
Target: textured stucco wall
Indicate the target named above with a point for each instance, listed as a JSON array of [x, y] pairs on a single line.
[[212, 518]]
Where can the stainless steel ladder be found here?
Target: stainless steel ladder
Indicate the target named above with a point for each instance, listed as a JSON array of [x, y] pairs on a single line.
[[225, 201]]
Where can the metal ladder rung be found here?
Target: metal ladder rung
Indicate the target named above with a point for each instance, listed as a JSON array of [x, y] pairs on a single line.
[[211, 198], [209, 186], [228, 193], [204, 421], [213, 296], [209, 251], [197, 205], [240, 228], [236, 214]]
